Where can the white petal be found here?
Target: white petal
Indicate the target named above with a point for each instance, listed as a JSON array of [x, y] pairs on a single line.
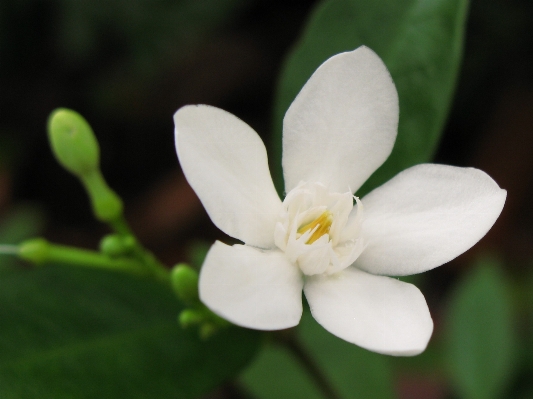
[[317, 257], [225, 162], [346, 254], [251, 288], [426, 216], [342, 125], [378, 313]]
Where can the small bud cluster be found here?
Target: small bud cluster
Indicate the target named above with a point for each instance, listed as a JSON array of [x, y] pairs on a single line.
[[76, 149], [185, 284]]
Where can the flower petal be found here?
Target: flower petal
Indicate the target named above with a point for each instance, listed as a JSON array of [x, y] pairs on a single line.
[[378, 313], [251, 288], [225, 162], [426, 216], [342, 125]]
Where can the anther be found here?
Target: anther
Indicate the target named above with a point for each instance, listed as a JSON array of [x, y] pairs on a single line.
[[319, 226]]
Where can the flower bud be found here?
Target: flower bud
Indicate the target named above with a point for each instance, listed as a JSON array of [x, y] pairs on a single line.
[[207, 330], [73, 142], [185, 283], [35, 250], [76, 149], [116, 245], [190, 317]]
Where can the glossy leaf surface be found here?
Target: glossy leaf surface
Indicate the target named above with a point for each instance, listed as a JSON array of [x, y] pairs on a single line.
[[84, 334], [420, 41], [480, 339], [353, 372]]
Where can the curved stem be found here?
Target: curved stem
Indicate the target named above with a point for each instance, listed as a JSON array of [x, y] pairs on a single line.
[[108, 208], [121, 226], [289, 341]]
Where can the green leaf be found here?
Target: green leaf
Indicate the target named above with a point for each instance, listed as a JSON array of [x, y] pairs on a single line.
[[18, 224], [21, 223], [276, 374], [356, 372], [352, 371], [71, 333], [420, 41], [479, 336]]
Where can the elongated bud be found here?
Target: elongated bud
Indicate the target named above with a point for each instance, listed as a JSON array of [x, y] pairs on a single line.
[[73, 142], [76, 149], [185, 283]]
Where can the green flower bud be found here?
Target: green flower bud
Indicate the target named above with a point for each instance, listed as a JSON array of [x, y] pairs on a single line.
[[190, 317], [76, 149], [115, 245], [35, 250], [185, 283], [207, 330], [73, 142]]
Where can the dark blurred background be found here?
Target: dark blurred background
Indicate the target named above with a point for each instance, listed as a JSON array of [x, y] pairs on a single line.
[[128, 65]]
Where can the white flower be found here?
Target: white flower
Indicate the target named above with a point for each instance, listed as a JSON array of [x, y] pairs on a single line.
[[337, 248]]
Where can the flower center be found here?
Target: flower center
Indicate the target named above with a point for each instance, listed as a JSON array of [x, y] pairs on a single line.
[[310, 212], [320, 226]]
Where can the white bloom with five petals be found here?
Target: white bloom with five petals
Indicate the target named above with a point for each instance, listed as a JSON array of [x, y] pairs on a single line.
[[337, 248]]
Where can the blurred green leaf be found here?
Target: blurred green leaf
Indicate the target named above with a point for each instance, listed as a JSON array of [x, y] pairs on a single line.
[[83, 334], [353, 372], [479, 337], [420, 41], [18, 224], [356, 372], [196, 253], [276, 374], [429, 365]]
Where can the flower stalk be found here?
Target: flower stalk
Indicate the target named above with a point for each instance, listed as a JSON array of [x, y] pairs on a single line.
[[107, 205], [76, 148], [39, 251]]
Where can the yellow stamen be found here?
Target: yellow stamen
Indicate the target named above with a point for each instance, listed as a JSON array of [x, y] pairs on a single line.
[[324, 224]]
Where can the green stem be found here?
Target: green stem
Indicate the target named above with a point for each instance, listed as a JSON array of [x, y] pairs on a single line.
[[145, 257], [87, 258], [76, 148], [40, 251], [107, 205], [289, 341], [149, 261], [120, 226]]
